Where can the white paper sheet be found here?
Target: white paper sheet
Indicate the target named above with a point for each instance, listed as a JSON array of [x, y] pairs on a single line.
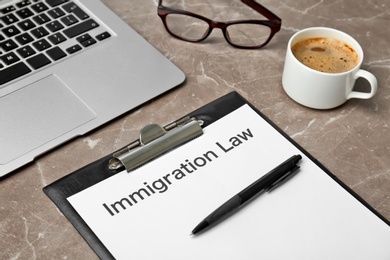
[[309, 217]]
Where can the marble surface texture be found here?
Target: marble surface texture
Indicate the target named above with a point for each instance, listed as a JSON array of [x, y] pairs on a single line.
[[353, 140]]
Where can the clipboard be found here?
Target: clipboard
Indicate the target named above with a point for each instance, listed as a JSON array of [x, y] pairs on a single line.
[[158, 140]]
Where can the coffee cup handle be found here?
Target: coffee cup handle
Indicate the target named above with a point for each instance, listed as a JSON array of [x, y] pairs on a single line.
[[371, 79]]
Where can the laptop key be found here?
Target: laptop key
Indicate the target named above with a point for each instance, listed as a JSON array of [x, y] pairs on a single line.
[[26, 25], [26, 51], [74, 9], [8, 45], [54, 26], [13, 72], [69, 20], [8, 9], [103, 36], [39, 7], [24, 38], [42, 18], [39, 32], [80, 28], [54, 3], [25, 13], [73, 49], [41, 45], [57, 38], [56, 12], [88, 42], [38, 61], [11, 31], [83, 37], [9, 19], [9, 58], [23, 3], [56, 53]]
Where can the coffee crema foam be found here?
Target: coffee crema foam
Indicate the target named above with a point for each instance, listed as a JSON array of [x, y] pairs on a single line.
[[326, 55]]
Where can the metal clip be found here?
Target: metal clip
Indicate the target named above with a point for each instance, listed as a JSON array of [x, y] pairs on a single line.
[[155, 140]]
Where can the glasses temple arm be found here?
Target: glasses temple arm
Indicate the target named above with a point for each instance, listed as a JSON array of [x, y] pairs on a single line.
[[261, 9]]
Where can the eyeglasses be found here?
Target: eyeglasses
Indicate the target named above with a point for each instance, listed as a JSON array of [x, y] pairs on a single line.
[[244, 34]]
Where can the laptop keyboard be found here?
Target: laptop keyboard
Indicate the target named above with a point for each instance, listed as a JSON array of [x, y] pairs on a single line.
[[37, 33]]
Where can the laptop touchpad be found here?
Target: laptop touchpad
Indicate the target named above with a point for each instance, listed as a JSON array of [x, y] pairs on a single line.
[[37, 114]]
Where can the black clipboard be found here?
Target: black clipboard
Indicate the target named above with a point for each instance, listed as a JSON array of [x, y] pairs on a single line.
[[100, 170]]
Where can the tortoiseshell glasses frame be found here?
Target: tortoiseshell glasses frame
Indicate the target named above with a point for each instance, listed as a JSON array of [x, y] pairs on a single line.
[[244, 34]]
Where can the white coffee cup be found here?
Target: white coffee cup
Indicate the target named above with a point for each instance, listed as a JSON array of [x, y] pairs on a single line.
[[323, 90]]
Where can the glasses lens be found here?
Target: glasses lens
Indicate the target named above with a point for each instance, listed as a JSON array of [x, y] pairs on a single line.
[[248, 35], [187, 27]]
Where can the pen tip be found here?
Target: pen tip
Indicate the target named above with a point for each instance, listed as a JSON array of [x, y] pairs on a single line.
[[202, 225]]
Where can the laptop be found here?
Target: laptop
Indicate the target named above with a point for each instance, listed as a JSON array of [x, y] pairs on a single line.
[[67, 67]]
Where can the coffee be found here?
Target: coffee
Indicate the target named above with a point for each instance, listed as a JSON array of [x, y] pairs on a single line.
[[326, 55]]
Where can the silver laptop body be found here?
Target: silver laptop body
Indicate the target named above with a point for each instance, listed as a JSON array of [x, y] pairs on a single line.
[[93, 83]]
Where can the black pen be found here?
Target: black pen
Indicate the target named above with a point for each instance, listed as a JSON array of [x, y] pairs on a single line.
[[265, 183]]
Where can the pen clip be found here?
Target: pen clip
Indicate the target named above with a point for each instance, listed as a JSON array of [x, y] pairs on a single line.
[[282, 179]]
